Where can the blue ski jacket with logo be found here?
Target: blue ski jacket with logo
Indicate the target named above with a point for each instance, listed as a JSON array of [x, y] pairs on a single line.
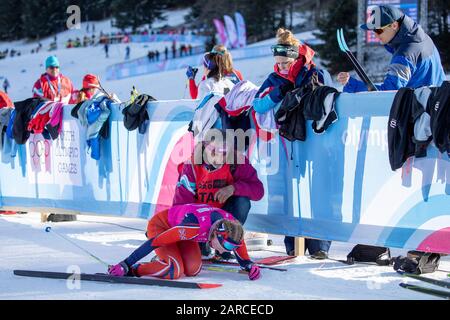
[[415, 62]]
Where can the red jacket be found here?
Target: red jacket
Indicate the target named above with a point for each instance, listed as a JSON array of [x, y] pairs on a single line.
[[5, 101], [57, 89], [245, 182]]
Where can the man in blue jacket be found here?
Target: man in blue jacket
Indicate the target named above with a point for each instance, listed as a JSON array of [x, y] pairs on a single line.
[[415, 59]]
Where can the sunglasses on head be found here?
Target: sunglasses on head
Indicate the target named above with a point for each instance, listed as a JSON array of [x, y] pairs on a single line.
[[381, 30], [281, 49]]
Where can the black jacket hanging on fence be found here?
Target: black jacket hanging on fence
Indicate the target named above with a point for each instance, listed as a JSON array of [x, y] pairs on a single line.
[[440, 117], [319, 106], [24, 112], [290, 117], [135, 115], [403, 114], [307, 103]]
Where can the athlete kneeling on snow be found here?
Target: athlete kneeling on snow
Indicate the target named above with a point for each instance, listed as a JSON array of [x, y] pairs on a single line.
[[174, 234]]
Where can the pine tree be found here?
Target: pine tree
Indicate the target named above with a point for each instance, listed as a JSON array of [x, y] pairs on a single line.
[[438, 17], [11, 27], [42, 18], [135, 13], [343, 14]]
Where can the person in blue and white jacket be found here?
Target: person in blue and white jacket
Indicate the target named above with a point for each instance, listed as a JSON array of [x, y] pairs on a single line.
[[415, 59]]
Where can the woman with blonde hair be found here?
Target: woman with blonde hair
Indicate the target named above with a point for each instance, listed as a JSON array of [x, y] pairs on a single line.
[[218, 65], [294, 68]]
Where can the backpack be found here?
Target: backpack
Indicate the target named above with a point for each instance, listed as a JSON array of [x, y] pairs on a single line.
[[364, 253], [417, 262]]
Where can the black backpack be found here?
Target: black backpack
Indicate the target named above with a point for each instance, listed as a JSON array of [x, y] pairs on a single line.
[[417, 262], [364, 253]]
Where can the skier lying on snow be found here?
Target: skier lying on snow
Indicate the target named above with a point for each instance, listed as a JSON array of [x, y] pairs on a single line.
[[174, 234]]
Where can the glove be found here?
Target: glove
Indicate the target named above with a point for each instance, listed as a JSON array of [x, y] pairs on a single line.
[[191, 73], [254, 272], [285, 88], [119, 270]]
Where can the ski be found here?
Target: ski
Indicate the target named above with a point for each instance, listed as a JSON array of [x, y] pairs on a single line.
[[110, 279], [222, 269], [440, 283], [358, 68], [218, 262], [275, 260], [433, 292]]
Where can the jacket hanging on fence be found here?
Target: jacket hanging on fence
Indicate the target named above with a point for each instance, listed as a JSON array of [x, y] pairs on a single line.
[[5, 116], [24, 111], [47, 120], [312, 101], [405, 126], [228, 111], [135, 115], [234, 107], [440, 117], [94, 116]]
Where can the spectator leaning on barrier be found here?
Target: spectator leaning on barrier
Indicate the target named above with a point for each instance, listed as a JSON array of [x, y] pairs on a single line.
[[294, 67], [220, 176], [415, 59], [91, 86], [219, 75], [53, 85]]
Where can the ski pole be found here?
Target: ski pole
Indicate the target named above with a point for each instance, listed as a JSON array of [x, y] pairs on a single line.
[[48, 229]]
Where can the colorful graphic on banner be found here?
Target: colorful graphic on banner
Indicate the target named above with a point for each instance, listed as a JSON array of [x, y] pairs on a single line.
[[241, 30], [221, 32], [232, 32], [55, 162], [409, 7]]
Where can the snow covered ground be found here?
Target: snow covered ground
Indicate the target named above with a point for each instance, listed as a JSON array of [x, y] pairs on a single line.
[[25, 245]]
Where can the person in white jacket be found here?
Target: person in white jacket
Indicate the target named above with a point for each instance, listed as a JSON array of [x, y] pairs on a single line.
[[215, 80]]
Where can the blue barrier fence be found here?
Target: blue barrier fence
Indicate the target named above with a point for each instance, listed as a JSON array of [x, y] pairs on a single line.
[[335, 186]]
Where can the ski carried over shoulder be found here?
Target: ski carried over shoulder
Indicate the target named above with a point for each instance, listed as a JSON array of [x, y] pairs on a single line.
[[440, 283], [358, 68], [111, 279], [429, 291]]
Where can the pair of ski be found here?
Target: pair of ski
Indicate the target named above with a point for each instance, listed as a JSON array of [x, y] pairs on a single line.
[[426, 290], [358, 68]]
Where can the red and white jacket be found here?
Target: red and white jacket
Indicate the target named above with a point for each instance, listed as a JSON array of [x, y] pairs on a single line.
[[57, 89]]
